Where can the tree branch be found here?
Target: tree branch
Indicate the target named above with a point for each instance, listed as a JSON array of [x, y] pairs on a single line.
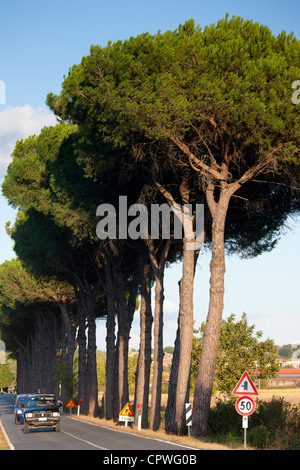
[[195, 161]]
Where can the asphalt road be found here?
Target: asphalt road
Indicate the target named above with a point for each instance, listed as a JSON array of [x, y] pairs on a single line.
[[78, 435]]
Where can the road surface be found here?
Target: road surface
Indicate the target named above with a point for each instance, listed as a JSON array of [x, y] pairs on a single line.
[[79, 435]]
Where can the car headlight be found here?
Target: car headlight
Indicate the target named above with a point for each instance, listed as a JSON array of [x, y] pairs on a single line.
[[29, 415], [55, 415]]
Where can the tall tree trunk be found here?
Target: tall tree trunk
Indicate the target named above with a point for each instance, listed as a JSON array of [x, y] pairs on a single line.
[[121, 389], [186, 313], [88, 298], [158, 270], [186, 325], [38, 355], [93, 405], [208, 358], [69, 322], [170, 414], [144, 361], [31, 376], [125, 311], [108, 398], [155, 417], [171, 423], [82, 373], [181, 364]]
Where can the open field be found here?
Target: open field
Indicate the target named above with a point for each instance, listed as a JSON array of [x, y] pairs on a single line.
[[292, 395]]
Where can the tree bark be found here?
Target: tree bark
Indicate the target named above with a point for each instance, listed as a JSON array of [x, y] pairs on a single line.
[[69, 323], [180, 371], [88, 297], [82, 373], [125, 312], [155, 417], [144, 361], [158, 270], [108, 397], [93, 404], [208, 358], [186, 325]]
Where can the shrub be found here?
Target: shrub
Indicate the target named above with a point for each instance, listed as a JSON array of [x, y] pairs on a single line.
[[224, 419], [274, 424]]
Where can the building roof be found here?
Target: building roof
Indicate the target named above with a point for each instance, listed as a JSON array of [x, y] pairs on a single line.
[[288, 372]]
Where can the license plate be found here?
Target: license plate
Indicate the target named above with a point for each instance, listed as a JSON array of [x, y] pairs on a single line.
[[42, 419]]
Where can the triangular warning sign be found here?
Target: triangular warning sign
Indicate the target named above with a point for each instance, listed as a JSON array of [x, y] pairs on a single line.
[[245, 386], [127, 411], [70, 404]]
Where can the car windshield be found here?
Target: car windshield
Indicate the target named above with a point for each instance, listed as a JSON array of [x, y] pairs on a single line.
[[40, 401], [21, 402]]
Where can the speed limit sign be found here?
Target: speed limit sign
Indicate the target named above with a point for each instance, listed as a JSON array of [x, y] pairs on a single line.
[[245, 406]]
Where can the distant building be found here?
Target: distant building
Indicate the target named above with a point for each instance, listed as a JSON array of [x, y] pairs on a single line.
[[285, 378]]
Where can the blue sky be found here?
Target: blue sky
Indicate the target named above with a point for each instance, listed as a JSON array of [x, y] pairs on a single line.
[[40, 41]]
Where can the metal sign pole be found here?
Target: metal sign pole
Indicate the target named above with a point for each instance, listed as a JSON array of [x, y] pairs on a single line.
[[245, 426]]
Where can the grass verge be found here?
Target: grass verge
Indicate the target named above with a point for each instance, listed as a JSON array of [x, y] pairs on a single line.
[[3, 443]]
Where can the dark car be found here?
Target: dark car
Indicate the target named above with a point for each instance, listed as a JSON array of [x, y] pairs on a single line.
[[19, 408], [41, 410]]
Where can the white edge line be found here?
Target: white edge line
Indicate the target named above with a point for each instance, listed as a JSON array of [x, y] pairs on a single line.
[[83, 440], [134, 434], [6, 436]]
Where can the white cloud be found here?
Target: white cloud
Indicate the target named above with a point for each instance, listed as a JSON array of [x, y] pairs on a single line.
[[19, 123], [170, 306]]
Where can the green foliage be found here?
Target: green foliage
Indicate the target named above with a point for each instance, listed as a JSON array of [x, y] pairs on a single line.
[[45, 176], [275, 425], [224, 421], [61, 373], [101, 365], [19, 286], [6, 376], [169, 83], [132, 365], [132, 109], [225, 87], [285, 351], [239, 349]]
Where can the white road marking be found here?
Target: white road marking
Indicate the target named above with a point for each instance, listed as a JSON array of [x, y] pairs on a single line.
[[83, 440], [135, 434]]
